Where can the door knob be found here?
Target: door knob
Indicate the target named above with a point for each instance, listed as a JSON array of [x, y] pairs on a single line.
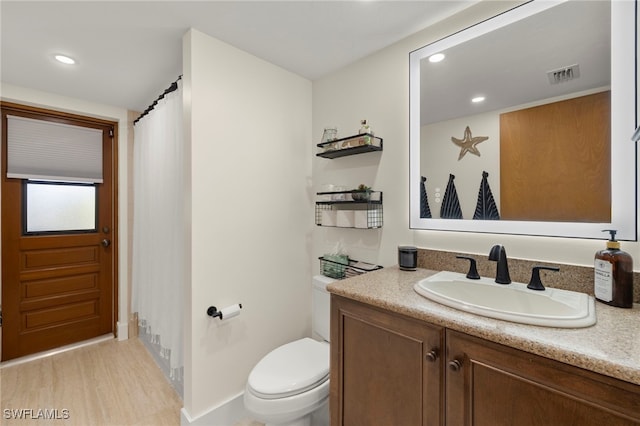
[[106, 243]]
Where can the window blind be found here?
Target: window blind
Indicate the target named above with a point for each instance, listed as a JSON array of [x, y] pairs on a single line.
[[38, 149]]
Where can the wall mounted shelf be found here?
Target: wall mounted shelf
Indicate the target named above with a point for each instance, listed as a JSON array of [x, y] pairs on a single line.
[[350, 145], [350, 209], [348, 268]]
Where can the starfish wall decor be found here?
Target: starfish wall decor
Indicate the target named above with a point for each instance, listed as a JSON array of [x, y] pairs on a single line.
[[468, 144]]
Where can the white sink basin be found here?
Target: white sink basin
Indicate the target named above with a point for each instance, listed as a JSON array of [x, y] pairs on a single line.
[[512, 302]]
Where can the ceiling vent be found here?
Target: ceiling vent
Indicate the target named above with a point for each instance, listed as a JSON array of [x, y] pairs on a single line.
[[563, 74]]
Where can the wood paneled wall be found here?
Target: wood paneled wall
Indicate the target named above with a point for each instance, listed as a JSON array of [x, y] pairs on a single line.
[[555, 161]]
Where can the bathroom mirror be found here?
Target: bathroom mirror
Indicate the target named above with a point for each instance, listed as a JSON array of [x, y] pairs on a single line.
[[539, 54]]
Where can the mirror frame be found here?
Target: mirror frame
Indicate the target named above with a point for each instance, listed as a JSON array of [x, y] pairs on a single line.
[[623, 124]]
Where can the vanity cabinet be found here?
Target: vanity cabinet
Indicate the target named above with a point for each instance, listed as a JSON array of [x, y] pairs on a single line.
[[385, 369], [389, 369], [493, 385]]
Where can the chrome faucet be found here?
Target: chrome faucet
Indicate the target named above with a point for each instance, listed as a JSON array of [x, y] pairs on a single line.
[[499, 254]]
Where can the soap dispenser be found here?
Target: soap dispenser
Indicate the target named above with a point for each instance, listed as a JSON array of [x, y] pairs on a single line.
[[614, 275]]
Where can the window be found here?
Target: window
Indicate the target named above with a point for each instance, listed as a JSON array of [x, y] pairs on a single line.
[[59, 207]]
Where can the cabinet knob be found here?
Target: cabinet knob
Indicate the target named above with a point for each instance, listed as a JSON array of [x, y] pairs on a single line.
[[455, 365], [432, 356]]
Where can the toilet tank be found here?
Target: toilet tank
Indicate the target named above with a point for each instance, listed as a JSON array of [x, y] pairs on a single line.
[[321, 306]]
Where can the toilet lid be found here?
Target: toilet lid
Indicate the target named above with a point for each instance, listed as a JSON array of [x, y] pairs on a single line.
[[290, 369]]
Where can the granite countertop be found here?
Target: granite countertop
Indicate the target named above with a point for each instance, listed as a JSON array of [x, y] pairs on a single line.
[[610, 347]]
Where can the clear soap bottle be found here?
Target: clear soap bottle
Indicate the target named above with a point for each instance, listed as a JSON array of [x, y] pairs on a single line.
[[614, 275]]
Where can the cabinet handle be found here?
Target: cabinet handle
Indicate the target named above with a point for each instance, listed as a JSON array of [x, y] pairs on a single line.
[[432, 356], [455, 365]]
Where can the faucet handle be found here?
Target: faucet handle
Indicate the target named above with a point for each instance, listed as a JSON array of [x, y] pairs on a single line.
[[535, 283], [473, 270]]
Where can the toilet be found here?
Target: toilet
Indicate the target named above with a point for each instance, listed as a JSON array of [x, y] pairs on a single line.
[[290, 385]]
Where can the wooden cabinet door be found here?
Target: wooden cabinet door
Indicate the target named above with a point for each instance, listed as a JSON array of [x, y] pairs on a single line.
[[495, 385], [386, 369]]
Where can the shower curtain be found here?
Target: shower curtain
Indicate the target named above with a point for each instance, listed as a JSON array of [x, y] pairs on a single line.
[[158, 264]]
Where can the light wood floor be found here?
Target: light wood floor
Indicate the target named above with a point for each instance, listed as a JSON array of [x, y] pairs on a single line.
[[112, 383]]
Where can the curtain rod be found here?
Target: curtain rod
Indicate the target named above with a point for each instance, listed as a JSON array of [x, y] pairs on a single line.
[[173, 87]]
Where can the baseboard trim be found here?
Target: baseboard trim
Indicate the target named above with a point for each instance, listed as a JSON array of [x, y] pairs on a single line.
[[226, 414], [123, 330], [56, 351]]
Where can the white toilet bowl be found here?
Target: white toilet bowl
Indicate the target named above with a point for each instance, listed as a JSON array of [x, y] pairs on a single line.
[[290, 384]]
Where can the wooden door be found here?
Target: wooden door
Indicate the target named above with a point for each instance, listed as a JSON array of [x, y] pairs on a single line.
[[555, 161], [58, 287], [386, 369], [494, 385]]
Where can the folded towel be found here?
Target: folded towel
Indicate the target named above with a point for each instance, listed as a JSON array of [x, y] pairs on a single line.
[[425, 211], [486, 208], [450, 208]]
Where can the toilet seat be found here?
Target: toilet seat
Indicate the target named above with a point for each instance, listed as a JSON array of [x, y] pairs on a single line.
[[290, 370]]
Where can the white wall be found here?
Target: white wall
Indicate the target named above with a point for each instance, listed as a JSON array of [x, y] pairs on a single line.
[[251, 215], [436, 137], [377, 88], [26, 96]]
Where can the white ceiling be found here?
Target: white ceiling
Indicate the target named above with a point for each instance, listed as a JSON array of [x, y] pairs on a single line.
[[509, 66], [128, 52]]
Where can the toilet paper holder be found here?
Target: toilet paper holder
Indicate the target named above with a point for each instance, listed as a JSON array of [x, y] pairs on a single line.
[[212, 311]]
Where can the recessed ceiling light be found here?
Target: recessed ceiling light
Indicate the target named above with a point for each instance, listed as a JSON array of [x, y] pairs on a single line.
[[436, 57], [65, 59], [477, 99]]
